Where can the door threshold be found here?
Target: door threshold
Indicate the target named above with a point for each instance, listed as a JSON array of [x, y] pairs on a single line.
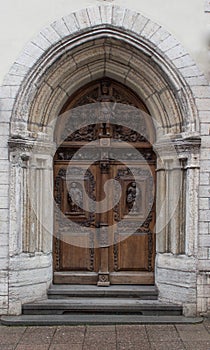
[[62, 291]]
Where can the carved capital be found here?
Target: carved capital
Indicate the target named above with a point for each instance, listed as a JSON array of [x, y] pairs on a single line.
[[31, 146], [188, 145], [188, 149], [182, 148], [20, 151]]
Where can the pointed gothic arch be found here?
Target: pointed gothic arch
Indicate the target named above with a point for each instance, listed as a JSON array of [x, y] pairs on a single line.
[[82, 47]]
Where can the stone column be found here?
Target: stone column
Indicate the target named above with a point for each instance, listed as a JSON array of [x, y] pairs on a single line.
[[31, 221], [188, 152], [41, 203], [161, 208], [177, 199], [168, 198], [177, 181], [19, 157], [31, 197]]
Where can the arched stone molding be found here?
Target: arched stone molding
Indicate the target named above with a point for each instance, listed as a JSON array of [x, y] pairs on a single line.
[[145, 67], [81, 47]]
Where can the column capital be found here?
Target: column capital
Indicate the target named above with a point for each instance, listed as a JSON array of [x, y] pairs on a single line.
[[179, 147], [24, 149]]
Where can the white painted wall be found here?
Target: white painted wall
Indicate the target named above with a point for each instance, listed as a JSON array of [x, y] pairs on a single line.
[[20, 20]]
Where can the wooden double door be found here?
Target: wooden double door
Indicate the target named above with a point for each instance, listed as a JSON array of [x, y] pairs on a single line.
[[104, 231]]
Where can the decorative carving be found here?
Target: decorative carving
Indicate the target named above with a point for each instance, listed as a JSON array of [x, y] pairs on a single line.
[[29, 146], [104, 92], [58, 180], [128, 174], [132, 199], [92, 256], [185, 148], [66, 154], [116, 208], [150, 250], [103, 235], [103, 279], [147, 222], [90, 186], [135, 172], [148, 154], [75, 197], [123, 133], [115, 251], [86, 133], [57, 254], [104, 126], [76, 171], [121, 154], [76, 192], [105, 166], [128, 226]]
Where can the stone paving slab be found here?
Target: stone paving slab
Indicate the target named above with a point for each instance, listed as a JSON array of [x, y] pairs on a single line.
[[111, 337]]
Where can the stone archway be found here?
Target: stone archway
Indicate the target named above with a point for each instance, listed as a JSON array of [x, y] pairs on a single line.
[[70, 53]]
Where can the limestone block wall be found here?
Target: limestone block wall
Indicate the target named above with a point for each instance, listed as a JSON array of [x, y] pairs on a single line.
[[29, 279], [176, 276], [204, 203], [203, 296], [4, 213]]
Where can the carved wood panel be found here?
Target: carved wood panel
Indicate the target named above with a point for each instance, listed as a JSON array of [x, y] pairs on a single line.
[[137, 251], [68, 196], [123, 258], [104, 91], [133, 247]]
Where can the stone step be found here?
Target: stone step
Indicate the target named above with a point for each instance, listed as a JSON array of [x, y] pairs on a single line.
[[101, 306], [87, 291], [92, 319]]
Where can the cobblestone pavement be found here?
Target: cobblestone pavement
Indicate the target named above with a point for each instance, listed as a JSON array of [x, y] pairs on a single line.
[[120, 337]]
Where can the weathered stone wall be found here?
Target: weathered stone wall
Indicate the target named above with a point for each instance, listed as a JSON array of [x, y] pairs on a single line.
[[62, 58], [29, 279], [4, 212], [188, 22]]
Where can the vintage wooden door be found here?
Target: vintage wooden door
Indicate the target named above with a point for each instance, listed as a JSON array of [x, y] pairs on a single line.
[[114, 245]]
